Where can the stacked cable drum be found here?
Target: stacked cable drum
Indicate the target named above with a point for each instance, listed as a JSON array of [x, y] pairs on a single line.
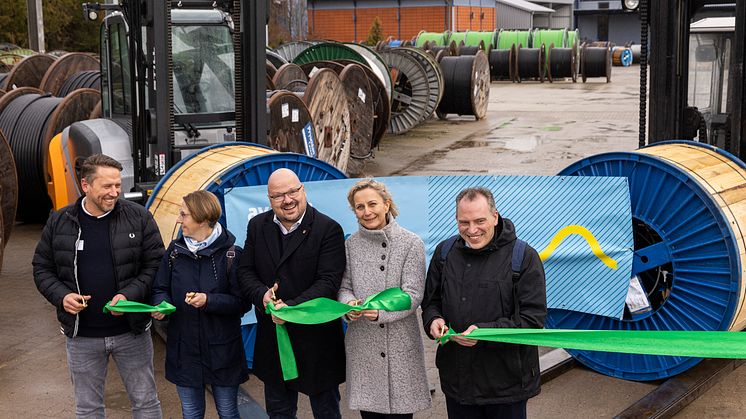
[[219, 169], [359, 105], [28, 72], [29, 119], [689, 219]]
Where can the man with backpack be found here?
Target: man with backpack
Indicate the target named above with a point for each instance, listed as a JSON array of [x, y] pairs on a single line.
[[484, 277]]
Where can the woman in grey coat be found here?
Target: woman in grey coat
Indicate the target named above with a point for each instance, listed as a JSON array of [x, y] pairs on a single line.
[[386, 375]]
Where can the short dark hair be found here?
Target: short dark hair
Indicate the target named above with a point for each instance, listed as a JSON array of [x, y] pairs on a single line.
[[471, 193], [92, 163], [203, 206]]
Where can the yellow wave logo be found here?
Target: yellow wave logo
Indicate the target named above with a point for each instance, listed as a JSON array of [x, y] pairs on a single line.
[[584, 233]]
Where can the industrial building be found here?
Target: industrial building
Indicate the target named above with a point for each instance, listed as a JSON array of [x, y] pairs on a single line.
[[349, 21]]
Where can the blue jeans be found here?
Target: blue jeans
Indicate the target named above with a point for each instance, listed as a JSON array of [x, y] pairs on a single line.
[[282, 403], [88, 359], [193, 401]]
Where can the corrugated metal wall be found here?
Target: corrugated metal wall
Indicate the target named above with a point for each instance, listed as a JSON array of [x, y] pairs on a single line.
[[509, 17], [561, 18]]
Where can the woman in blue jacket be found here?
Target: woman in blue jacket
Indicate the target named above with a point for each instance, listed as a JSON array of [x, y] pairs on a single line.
[[198, 276]]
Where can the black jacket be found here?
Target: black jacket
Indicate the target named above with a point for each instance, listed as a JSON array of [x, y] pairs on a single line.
[[311, 266], [204, 345], [476, 287], [136, 246]]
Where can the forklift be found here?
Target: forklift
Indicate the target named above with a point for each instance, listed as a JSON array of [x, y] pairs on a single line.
[[176, 76]]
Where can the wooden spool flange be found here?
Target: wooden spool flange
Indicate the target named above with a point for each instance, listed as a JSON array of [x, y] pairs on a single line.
[[287, 74], [64, 68], [359, 99], [288, 115], [29, 72], [327, 102]]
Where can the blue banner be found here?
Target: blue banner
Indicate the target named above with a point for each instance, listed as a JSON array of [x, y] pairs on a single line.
[[581, 226]]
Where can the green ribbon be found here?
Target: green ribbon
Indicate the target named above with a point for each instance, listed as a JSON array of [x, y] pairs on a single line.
[[323, 310], [126, 306], [699, 344]]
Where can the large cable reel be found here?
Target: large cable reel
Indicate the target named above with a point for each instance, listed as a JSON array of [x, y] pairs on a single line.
[[411, 91]]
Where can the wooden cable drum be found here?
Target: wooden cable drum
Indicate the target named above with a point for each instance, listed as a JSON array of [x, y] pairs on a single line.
[[467, 85], [64, 68], [271, 70], [434, 76], [197, 172], [595, 62], [621, 56], [530, 63], [688, 213], [723, 178], [30, 121], [356, 86], [502, 66], [381, 105], [326, 100], [29, 72], [561, 63], [90, 79], [411, 91], [11, 95], [221, 168], [288, 73], [288, 116], [8, 188], [3, 76]]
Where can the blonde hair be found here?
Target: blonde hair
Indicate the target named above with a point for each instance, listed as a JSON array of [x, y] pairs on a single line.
[[203, 206], [377, 186]]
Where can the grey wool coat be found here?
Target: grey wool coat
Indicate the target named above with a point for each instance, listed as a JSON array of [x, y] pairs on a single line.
[[385, 358]]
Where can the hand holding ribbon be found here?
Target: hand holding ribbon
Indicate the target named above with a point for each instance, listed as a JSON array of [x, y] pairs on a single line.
[[323, 310], [699, 344], [125, 306]]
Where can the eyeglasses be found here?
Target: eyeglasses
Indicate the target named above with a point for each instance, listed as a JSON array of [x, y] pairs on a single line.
[[292, 194], [183, 214]]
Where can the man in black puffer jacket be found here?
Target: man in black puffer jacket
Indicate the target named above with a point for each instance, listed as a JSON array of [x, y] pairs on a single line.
[[472, 286], [97, 250]]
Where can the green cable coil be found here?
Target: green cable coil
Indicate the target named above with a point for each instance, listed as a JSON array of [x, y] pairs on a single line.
[[458, 37], [489, 38], [508, 38], [439, 38], [558, 37]]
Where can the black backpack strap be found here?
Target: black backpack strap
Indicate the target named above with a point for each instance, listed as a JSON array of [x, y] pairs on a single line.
[[229, 256], [519, 248], [446, 248]]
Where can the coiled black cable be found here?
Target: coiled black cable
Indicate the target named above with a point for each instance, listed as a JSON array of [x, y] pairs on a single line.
[[457, 73], [79, 80], [596, 62], [469, 50], [561, 64], [9, 116], [29, 144], [530, 63], [501, 64]]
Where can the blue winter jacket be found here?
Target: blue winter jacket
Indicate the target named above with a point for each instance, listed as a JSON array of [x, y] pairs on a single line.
[[204, 345]]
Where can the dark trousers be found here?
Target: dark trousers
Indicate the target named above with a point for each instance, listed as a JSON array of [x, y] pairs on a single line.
[[282, 403], [456, 410], [374, 415]]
